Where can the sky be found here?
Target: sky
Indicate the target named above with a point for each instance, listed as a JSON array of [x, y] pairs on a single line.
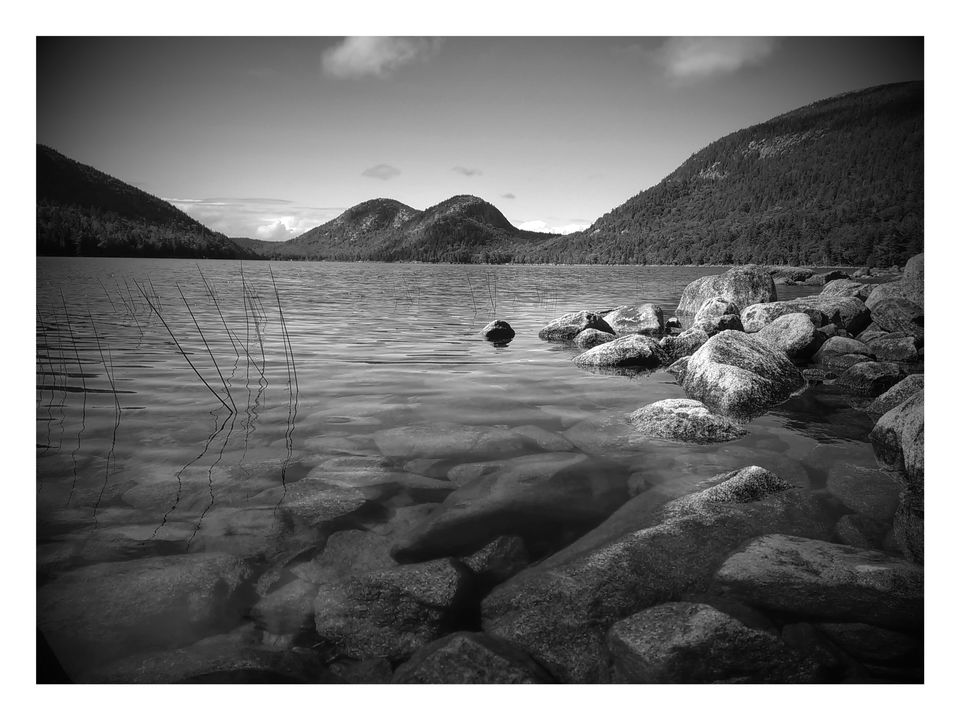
[[269, 137]]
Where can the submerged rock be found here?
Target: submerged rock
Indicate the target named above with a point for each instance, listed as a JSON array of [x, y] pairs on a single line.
[[646, 319], [870, 492], [817, 579], [683, 642], [870, 378], [567, 327], [498, 560], [470, 658], [591, 338], [627, 351], [741, 285], [861, 532], [736, 374], [873, 644], [793, 334], [498, 331], [448, 439], [685, 420]]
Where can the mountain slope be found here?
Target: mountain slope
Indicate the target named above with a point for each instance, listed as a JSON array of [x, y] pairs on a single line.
[[463, 228], [82, 211], [836, 182]]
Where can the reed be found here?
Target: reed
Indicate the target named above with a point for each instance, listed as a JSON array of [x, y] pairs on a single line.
[[83, 410], [207, 346], [216, 304]]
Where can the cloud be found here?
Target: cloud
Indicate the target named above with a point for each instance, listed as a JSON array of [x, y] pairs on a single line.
[[255, 217], [700, 57], [509, 196], [378, 56], [284, 227], [541, 226], [381, 172], [469, 172]]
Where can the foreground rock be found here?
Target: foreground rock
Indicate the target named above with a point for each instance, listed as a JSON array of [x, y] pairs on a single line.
[[847, 288], [591, 338], [102, 612], [736, 374], [448, 439], [682, 642], [535, 497], [560, 610], [899, 315], [740, 285], [756, 317], [686, 420], [393, 613], [717, 314], [686, 343], [895, 347], [470, 658], [900, 392], [567, 327], [846, 313], [628, 351], [498, 331], [646, 319], [816, 579], [870, 378], [793, 334], [869, 492]]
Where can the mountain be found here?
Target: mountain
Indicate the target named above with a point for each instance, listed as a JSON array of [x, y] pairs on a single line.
[[463, 228], [82, 211], [838, 182]]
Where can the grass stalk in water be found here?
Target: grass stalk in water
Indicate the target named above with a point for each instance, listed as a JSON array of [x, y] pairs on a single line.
[[207, 346]]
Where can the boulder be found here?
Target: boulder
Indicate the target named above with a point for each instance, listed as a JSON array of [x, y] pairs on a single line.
[[870, 492], [870, 378], [913, 279], [816, 579], [861, 532], [679, 368], [793, 334], [908, 524], [560, 610], [741, 285], [543, 438], [688, 342], [894, 347], [393, 613], [847, 288], [684, 420], [567, 327], [592, 337], [840, 363], [498, 331], [467, 658], [646, 319], [898, 438], [102, 612], [715, 313], [824, 278], [535, 497], [672, 323], [684, 642], [736, 374], [287, 610], [627, 351], [847, 313], [498, 560], [713, 325], [756, 316], [448, 440], [899, 315], [790, 272], [840, 346], [886, 291], [872, 644], [871, 332]]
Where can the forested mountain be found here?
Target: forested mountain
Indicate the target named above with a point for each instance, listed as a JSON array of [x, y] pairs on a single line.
[[82, 211], [834, 183], [463, 228]]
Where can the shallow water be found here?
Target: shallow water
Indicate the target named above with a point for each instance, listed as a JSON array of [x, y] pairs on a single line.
[[137, 457]]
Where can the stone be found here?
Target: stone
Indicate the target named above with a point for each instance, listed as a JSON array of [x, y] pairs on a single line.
[[712, 310], [899, 315], [840, 346], [736, 374], [895, 349], [679, 368], [591, 337], [908, 524], [498, 560], [790, 272], [393, 613], [816, 579], [467, 658], [793, 334], [286, 610], [498, 331], [102, 612], [309, 502], [534, 496], [861, 532], [913, 279], [685, 642], [847, 288], [744, 286], [448, 440], [870, 492], [887, 291], [627, 351], [559, 611], [684, 420], [672, 322], [827, 277], [873, 644], [755, 317], [686, 343], [898, 438], [847, 313], [544, 439], [839, 363], [711, 326], [567, 327], [870, 378], [897, 394], [646, 319]]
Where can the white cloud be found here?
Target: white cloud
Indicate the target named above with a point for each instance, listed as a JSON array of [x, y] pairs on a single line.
[[699, 57], [541, 226], [468, 172], [379, 56], [381, 172], [285, 227]]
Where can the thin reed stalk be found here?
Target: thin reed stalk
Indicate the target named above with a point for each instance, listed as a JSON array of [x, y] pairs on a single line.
[[207, 346]]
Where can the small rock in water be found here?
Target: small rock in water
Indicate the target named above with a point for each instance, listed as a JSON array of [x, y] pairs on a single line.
[[627, 351], [646, 319], [498, 331], [687, 420], [470, 658], [861, 532], [448, 440], [868, 491], [592, 337], [870, 378]]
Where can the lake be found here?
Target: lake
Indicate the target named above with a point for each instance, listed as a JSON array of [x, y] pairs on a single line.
[[185, 410]]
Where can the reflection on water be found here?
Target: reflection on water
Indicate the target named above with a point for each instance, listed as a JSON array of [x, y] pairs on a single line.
[[188, 409]]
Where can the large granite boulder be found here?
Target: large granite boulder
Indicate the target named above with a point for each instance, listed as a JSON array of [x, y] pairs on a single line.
[[847, 288], [592, 337], [913, 279], [560, 610], [894, 347], [897, 394], [102, 612], [467, 658], [684, 420], [899, 315], [870, 378], [793, 334], [736, 374], [872, 644], [840, 346], [792, 273], [684, 642], [646, 319], [534, 496], [392, 613], [717, 314], [741, 285], [847, 313], [627, 351], [827, 277], [755, 317], [567, 327], [686, 343], [811, 578], [898, 438]]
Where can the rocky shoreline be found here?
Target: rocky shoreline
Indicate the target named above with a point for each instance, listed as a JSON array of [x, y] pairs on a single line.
[[538, 557]]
